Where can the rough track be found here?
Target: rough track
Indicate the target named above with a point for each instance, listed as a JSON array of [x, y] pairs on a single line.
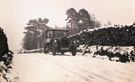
[[88, 76]]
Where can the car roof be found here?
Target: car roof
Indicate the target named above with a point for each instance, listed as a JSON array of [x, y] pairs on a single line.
[[57, 30]]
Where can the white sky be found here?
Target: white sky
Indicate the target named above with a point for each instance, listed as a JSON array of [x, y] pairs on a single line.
[[14, 14]]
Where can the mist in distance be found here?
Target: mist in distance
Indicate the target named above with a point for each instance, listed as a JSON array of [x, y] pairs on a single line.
[[14, 14]]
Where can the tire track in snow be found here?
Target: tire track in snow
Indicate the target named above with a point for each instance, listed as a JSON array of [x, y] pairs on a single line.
[[92, 73], [67, 68], [86, 72]]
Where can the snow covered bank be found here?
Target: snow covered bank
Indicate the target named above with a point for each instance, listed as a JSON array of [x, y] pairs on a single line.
[[117, 53]]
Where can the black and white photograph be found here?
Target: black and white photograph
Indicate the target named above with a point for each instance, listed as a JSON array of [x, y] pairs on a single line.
[[67, 40]]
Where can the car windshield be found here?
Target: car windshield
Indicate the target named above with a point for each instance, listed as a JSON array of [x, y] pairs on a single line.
[[57, 33]]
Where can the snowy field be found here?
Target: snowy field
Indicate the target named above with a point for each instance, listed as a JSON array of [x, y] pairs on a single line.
[[39, 67]]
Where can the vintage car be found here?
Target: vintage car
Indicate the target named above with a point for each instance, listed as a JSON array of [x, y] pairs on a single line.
[[57, 40]]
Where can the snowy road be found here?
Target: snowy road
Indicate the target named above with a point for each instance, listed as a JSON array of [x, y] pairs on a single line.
[[48, 68]]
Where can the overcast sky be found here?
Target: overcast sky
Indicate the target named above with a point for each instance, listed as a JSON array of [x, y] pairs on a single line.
[[14, 14]]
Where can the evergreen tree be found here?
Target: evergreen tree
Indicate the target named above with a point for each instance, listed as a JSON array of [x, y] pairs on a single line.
[[72, 20], [5, 55], [35, 33], [78, 21]]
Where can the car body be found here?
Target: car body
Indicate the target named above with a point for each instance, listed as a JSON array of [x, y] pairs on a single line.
[[57, 40]]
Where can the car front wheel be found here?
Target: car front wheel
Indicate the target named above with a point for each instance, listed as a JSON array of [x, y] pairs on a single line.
[[73, 52]]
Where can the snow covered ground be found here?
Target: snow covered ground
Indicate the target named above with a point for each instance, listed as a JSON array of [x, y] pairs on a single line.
[[39, 67]]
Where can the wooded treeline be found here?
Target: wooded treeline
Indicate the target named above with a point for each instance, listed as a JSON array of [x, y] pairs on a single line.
[[111, 36]]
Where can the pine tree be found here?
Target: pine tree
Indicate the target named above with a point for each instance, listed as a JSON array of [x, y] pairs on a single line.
[[35, 33]]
